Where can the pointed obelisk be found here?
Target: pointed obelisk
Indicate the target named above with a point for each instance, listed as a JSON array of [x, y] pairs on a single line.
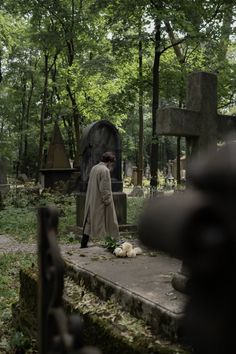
[[57, 166], [57, 156]]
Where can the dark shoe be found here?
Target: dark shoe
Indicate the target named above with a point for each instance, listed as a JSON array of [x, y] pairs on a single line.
[[84, 241]]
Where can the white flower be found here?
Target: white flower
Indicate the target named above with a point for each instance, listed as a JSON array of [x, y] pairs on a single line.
[[126, 247], [131, 253], [138, 250], [118, 252]]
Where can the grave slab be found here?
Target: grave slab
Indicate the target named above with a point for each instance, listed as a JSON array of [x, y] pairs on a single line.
[[141, 285]]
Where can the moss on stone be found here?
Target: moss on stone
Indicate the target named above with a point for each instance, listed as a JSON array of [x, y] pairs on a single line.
[[112, 329], [106, 325]]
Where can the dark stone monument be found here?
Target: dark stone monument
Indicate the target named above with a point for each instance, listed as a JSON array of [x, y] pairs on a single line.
[[57, 167], [199, 123], [100, 137]]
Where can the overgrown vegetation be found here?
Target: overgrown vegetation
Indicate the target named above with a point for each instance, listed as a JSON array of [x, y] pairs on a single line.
[[12, 340], [19, 217], [76, 61]]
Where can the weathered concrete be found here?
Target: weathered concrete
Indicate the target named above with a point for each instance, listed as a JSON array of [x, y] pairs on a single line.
[[199, 122], [107, 326], [141, 285]]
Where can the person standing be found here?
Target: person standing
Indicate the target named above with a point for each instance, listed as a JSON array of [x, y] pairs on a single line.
[[100, 218]]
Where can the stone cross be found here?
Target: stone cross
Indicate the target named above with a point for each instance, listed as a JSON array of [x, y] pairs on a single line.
[[199, 122]]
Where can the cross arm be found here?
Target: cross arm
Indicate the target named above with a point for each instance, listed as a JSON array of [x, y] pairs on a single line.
[[226, 125], [178, 122]]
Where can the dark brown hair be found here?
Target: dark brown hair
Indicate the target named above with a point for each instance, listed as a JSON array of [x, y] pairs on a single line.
[[108, 157]]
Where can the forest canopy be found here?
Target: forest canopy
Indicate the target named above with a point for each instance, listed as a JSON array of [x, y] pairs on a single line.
[[77, 61]]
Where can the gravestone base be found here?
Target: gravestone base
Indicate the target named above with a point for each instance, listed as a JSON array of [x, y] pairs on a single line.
[[109, 333], [51, 177], [120, 201]]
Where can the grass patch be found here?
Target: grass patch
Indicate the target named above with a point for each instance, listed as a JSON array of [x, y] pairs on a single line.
[[19, 222], [11, 340], [19, 218], [134, 208]]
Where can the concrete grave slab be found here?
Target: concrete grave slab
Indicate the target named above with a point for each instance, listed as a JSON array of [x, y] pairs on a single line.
[[141, 285]]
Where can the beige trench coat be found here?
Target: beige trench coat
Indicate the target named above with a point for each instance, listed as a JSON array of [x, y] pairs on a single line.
[[100, 218]]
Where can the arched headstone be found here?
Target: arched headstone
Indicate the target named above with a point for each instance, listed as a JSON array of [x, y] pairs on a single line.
[[100, 137]]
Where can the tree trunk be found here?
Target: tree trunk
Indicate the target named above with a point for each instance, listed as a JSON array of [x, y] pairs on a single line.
[[43, 115], [177, 48], [21, 127], [140, 152], [75, 111], [68, 124], [225, 32], [178, 160], [155, 106], [70, 55], [30, 95], [76, 119], [181, 60]]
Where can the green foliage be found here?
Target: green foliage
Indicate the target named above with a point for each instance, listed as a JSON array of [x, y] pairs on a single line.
[[93, 48], [19, 342], [135, 206], [11, 340], [110, 244], [19, 217]]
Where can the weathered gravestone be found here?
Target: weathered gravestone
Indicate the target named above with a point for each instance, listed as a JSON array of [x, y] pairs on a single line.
[[57, 167], [169, 177], [199, 228], [199, 122], [100, 137], [128, 169], [182, 168]]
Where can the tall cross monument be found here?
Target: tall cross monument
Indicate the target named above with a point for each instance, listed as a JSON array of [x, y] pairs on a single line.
[[199, 122]]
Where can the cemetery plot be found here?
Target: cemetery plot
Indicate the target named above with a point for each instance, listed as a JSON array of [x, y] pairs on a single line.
[[107, 325]]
